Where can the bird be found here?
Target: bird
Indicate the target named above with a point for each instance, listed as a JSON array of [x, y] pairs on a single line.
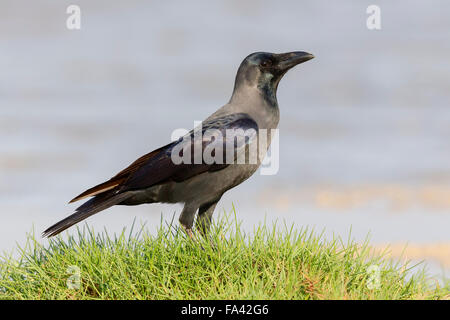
[[160, 176]]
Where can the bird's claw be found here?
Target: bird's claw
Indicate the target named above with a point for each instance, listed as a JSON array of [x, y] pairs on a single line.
[[190, 233]]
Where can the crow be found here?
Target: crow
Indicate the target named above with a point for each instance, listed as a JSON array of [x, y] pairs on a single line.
[[176, 173]]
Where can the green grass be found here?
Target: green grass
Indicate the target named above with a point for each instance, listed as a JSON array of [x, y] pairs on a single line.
[[276, 262]]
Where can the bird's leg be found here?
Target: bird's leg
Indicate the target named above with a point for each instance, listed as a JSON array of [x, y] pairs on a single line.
[[204, 217], [187, 219]]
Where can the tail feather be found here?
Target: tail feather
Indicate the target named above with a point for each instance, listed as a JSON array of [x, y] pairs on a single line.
[[93, 206], [99, 189]]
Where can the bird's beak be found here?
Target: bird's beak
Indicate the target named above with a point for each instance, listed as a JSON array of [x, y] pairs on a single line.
[[291, 59]]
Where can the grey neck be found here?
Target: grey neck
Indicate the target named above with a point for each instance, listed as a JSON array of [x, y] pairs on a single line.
[[260, 103]]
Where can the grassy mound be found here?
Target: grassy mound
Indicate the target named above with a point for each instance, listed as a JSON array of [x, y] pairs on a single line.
[[268, 264]]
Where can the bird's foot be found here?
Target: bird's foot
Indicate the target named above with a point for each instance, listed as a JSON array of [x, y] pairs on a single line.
[[189, 232], [195, 239]]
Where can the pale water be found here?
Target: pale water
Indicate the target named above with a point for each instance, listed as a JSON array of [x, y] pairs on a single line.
[[364, 130]]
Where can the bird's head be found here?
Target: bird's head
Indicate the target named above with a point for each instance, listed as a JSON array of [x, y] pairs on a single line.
[[264, 70]]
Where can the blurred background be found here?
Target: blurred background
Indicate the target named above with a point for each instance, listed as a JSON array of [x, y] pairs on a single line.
[[364, 130]]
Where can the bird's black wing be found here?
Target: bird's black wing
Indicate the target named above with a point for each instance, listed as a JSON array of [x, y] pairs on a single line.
[[157, 166], [221, 136]]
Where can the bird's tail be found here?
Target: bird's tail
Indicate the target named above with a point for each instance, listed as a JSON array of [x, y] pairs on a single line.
[[93, 206]]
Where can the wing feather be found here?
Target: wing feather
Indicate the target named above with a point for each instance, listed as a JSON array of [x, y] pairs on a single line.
[[157, 166]]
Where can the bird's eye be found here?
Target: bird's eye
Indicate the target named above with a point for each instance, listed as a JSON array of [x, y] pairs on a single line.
[[266, 63]]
